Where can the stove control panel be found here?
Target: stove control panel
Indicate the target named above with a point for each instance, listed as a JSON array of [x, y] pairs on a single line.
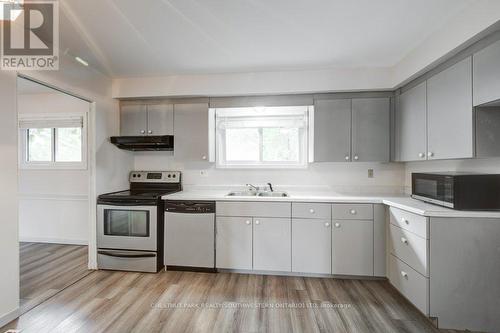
[[155, 177]]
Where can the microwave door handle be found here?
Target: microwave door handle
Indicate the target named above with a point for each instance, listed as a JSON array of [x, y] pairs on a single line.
[[126, 255]]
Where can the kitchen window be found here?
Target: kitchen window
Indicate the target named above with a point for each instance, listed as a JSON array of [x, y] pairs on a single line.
[[53, 141], [262, 137]]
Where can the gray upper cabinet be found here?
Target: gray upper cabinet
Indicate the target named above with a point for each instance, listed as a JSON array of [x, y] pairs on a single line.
[[332, 130], [487, 74], [371, 129], [450, 113], [133, 120], [191, 132], [140, 119], [411, 127], [160, 119]]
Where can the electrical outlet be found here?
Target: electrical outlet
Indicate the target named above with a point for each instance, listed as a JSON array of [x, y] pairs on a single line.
[[370, 173]]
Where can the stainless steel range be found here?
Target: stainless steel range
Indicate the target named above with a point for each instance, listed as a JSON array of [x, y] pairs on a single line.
[[130, 223]]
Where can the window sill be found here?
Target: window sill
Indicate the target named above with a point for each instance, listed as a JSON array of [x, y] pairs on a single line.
[[54, 166]]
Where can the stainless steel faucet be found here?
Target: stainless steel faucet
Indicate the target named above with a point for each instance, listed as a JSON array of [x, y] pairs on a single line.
[[255, 188], [270, 187]]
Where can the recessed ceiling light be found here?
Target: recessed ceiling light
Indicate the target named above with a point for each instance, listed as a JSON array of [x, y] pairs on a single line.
[[81, 61]]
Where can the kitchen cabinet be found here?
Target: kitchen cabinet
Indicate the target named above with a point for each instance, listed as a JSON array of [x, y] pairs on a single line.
[[141, 119], [352, 247], [486, 73], [371, 129], [411, 124], [234, 243], [272, 244], [332, 130], [450, 114], [191, 125], [311, 246]]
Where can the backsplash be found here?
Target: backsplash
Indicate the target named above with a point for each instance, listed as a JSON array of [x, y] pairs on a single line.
[[342, 177]]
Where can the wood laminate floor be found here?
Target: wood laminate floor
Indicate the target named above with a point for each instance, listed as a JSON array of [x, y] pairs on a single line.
[[46, 269], [106, 301]]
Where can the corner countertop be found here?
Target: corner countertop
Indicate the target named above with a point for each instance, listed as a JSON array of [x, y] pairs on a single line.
[[399, 201]]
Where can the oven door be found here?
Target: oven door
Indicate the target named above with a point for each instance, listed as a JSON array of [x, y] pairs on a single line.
[[434, 188], [127, 227]]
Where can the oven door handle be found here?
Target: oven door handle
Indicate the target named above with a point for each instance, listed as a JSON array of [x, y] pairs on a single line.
[[127, 255]]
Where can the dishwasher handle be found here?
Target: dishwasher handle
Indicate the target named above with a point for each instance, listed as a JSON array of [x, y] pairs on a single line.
[[190, 207]]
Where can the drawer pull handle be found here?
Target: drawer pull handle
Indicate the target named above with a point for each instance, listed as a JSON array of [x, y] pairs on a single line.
[[257, 222], [353, 211], [405, 220], [404, 240], [337, 225], [327, 224], [247, 222], [404, 274], [311, 211]]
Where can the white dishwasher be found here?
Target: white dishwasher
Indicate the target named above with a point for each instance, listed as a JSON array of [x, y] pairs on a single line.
[[190, 235]]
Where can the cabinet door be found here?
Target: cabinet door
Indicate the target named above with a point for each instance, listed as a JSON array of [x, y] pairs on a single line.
[[233, 243], [332, 130], [191, 132], [371, 129], [160, 119], [311, 246], [487, 74], [272, 244], [133, 120], [352, 247], [411, 131], [449, 113]]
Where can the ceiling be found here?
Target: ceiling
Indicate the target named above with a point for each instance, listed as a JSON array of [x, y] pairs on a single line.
[[130, 38]]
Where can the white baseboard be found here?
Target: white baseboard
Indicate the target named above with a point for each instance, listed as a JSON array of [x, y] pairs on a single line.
[[9, 316], [54, 240]]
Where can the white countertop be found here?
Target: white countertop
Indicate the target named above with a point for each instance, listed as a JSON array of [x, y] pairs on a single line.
[[402, 202]]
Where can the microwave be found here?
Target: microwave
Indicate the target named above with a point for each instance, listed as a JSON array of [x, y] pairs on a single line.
[[458, 190]]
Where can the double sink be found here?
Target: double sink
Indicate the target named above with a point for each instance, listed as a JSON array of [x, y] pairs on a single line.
[[257, 194]]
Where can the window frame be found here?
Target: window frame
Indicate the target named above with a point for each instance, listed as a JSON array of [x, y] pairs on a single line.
[[53, 164], [305, 141]]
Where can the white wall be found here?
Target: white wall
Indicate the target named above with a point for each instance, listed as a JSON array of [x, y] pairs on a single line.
[[53, 204]]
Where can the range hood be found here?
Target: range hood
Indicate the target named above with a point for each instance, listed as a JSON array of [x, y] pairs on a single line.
[[144, 143]]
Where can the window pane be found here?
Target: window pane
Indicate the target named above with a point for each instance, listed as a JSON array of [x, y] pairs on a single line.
[[242, 144], [39, 144], [69, 144], [280, 144]]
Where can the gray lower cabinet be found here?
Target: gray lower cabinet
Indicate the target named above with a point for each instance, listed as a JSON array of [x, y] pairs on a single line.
[[486, 71], [411, 124], [191, 132], [352, 247], [332, 130], [311, 246], [141, 119], [234, 243], [450, 113], [371, 129], [272, 244]]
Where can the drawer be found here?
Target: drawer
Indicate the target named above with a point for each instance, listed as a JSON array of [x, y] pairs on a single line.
[[412, 222], [410, 248], [311, 210], [353, 211], [414, 286], [256, 209]]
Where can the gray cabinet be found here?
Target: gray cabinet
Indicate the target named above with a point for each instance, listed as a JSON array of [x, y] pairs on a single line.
[[272, 244], [371, 129], [332, 130], [311, 246], [486, 71], [352, 247], [450, 113], [234, 243], [411, 126], [140, 119], [191, 125]]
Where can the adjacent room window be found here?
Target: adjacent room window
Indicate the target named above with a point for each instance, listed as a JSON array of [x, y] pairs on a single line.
[[262, 137], [53, 141]]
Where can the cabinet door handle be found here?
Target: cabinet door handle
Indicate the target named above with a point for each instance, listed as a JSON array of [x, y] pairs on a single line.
[[347, 157], [150, 132], [421, 155], [404, 274], [257, 222], [404, 220], [327, 224], [247, 222], [356, 157], [430, 154], [353, 211], [337, 225], [311, 211], [143, 132], [204, 157], [404, 240]]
